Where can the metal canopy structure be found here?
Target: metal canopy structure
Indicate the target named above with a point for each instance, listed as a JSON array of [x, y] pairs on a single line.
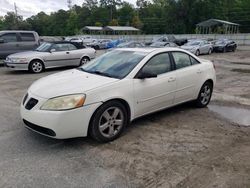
[[217, 26], [113, 30], [92, 30], [120, 30]]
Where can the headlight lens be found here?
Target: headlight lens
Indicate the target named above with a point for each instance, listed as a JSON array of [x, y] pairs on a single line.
[[19, 60], [64, 102]]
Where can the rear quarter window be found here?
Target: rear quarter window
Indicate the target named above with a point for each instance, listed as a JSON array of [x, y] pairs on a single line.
[[27, 37]]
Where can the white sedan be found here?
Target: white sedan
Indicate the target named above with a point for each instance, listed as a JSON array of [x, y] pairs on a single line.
[[102, 97]]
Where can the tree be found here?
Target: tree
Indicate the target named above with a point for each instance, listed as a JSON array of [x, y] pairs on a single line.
[[113, 22], [90, 4], [98, 24], [11, 21], [125, 14], [136, 22]]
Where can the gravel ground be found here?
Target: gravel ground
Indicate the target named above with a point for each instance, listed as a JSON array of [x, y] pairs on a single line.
[[179, 147]]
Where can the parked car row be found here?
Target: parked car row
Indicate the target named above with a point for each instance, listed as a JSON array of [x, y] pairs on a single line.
[[75, 51], [198, 46]]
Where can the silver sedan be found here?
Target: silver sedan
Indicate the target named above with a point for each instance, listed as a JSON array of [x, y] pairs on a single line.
[[50, 55], [198, 47]]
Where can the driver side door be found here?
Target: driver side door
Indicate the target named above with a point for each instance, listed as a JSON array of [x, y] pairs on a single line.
[[59, 56], [152, 94]]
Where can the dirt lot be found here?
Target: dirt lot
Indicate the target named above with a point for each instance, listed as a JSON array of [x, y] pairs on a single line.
[[178, 147]]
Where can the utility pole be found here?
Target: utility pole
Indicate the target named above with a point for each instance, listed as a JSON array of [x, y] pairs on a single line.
[[16, 14], [15, 7]]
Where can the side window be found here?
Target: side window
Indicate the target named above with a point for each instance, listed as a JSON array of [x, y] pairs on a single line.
[[194, 61], [9, 37], [71, 47], [159, 64], [27, 37], [181, 60], [60, 47]]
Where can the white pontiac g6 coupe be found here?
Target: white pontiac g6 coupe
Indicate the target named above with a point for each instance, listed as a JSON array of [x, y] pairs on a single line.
[[102, 97]]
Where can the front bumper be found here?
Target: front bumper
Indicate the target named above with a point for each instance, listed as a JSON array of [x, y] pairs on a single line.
[[218, 49], [57, 124], [16, 66]]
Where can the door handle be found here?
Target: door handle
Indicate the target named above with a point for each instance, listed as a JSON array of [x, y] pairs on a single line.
[[199, 71], [171, 79], [67, 52]]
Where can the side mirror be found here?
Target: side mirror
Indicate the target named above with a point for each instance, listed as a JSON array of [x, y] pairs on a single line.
[[52, 50], [144, 75], [1, 41]]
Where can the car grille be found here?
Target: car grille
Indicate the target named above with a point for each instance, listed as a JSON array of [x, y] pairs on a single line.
[[39, 129], [31, 103], [25, 98]]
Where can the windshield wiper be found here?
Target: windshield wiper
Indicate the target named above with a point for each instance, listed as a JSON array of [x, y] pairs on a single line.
[[102, 73], [95, 72]]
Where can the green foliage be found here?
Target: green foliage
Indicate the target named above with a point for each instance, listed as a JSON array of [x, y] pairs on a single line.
[[151, 16], [98, 24], [114, 22], [136, 22]]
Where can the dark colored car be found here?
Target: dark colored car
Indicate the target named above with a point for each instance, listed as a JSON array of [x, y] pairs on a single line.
[[224, 45], [169, 38], [17, 41]]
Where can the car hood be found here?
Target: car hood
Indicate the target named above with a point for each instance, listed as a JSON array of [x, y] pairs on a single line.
[[68, 82], [26, 54], [189, 47]]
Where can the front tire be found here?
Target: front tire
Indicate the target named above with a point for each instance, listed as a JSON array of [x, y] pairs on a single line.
[[205, 95], [36, 66], [108, 122], [84, 61]]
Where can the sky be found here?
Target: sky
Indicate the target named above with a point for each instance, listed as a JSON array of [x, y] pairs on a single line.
[[27, 8]]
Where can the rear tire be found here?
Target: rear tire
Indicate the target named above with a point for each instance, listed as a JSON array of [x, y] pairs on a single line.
[[108, 122], [36, 66], [205, 95], [210, 51], [197, 53]]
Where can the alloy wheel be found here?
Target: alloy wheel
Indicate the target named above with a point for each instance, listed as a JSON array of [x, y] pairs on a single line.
[[111, 122], [37, 67], [205, 95]]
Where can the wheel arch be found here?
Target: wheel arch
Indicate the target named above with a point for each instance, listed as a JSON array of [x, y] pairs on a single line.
[[210, 81], [122, 101], [36, 59], [85, 55]]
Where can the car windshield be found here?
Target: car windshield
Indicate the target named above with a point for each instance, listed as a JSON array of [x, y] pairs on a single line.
[[114, 64], [44, 47], [193, 43]]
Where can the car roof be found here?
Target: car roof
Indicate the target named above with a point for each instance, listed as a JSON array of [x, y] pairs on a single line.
[[16, 31], [149, 50]]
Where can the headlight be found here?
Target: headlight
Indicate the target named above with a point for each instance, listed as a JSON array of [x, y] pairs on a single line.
[[64, 102], [19, 60]]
